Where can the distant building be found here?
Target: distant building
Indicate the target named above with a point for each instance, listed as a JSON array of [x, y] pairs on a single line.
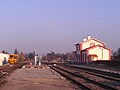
[[3, 58], [91, 49]]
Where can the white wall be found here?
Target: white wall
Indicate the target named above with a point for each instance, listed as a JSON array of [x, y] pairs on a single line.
[[88, 43], [2, 56], [103, 54], [106, 54]]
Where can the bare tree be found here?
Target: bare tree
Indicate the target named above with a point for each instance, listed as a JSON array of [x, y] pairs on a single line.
[[116, 55]]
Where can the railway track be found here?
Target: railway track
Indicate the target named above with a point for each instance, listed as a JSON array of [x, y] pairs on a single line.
[[85, 80], [7, 70], [96, 73]]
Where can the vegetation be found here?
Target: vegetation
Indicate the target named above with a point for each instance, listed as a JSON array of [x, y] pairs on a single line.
[[59, 57], [21, 57], [116, 55], [31, 55], [5, 52], [16, 51]]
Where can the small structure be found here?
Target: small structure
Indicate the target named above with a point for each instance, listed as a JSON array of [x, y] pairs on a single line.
[[91, 49], [37, 60], [3, 58], [40, 61]]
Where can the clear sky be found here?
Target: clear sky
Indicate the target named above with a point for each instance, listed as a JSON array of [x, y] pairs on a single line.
[[56, 25]]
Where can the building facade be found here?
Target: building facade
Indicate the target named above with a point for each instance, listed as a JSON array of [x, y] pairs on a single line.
[[91, 49]]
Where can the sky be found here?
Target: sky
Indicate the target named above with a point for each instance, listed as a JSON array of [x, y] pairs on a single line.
[[57, 25]]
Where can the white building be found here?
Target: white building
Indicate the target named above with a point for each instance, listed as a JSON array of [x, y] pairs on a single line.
[[92, 49], [3, 57], [37, 60]]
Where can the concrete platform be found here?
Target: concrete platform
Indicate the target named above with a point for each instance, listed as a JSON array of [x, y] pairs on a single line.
[[100, 68], [37, 79]]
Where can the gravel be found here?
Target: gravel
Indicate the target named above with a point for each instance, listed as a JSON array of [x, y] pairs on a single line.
[[37, 79]]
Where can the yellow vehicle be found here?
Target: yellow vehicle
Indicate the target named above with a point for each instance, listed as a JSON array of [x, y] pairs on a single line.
[[13, 58]]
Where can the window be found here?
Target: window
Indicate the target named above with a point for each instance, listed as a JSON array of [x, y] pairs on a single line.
[[11, 56]]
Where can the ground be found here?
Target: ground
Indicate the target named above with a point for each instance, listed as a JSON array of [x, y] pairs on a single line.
[[37, 79]]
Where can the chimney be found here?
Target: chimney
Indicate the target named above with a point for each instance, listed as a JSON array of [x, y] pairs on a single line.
[[88, 37], [84, 39]]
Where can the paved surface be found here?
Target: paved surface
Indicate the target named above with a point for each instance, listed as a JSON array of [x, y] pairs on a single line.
[[37, 79]]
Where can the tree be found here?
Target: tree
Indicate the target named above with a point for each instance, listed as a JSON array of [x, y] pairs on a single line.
[[16, 51], [3, 51], [31, 55], [58, 56], [21, 57], [116, 55]]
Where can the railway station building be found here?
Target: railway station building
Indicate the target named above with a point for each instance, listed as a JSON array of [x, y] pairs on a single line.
[[91, 49]]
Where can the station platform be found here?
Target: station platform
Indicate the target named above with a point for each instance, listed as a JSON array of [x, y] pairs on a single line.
[[37, 79], [100, 68]]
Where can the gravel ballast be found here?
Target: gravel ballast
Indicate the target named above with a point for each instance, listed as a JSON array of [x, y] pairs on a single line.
[[37, 79]]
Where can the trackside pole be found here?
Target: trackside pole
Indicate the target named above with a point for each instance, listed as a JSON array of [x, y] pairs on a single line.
[[35, 60], [40, 61]]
